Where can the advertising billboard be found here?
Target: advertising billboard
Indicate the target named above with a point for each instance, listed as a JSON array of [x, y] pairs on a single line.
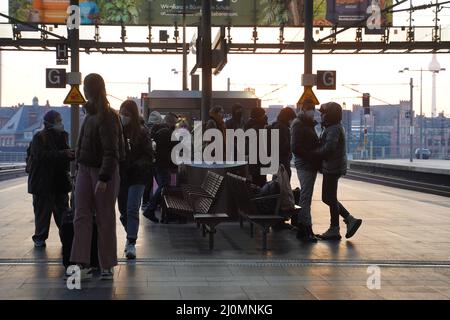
[[239, 13]]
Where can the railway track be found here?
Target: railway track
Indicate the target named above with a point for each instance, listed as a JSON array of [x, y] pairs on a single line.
[[397, 182], [12, 172]]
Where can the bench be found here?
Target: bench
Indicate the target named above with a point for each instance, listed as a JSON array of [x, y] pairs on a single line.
[[190, 200], [209, 221], [247, 206]]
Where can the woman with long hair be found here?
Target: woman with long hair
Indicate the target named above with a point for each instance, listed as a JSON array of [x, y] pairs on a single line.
[[135, 171], [100, 149]]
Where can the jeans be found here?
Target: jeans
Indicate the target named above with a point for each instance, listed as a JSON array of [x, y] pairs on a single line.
[[163, 180], [44, 206], [307, 180], [129, 202], [329, 196], [148, 189]]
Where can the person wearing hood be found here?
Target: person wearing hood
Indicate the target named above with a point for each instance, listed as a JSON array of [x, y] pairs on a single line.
[[135, 171], [257, 121], [215, 121], [153, 124], [48, 166], [304, 142], [332, 151], [236, 121]]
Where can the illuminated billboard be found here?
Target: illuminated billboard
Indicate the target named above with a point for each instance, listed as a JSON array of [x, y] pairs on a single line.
[[240, 13]]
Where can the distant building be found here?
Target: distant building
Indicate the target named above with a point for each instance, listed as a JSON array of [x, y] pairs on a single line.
[[17, 132]]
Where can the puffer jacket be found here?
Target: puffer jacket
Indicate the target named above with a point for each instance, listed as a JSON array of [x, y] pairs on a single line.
[[101, 144], [137, 167], [332, 148]]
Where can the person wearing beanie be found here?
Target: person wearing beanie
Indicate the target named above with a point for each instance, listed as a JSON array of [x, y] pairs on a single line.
[[48, 165], [332, 151], [154, 118]]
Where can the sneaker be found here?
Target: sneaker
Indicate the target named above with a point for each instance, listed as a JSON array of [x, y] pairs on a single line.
[[131, 251], [39, 244], [353, 225], [150, 215], [107, 274], [331, 234]]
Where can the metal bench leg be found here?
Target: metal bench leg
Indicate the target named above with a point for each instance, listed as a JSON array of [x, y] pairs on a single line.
[[212, 230], [198, 225], [251, 230], [241, 222], [204, 230], [264, 237]]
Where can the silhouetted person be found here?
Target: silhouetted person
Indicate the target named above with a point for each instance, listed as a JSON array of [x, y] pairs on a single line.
[[283, 125], [332, 151], [237, 120], [135, 172], [257, 121], [162, 134], [100, 149], [304, 142], [48, 166]]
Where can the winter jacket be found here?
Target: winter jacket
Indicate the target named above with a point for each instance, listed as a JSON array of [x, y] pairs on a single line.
[[304, 142], [101, 144], [137, 167], [49, 164]]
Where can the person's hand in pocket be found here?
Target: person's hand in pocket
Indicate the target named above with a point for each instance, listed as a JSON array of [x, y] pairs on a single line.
[[100, 187]]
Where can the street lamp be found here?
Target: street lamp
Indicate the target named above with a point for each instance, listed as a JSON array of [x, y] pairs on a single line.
[[421, 70]]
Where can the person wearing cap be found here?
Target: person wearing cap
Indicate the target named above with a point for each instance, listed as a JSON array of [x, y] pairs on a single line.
[[257, 121], [304, 142], [332, 151], [49, 157]]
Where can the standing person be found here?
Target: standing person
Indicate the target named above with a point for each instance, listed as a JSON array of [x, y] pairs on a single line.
[[304, 142], [334, 165], [163, 164], [135, 171], [283, 124], [48, 166], [257, 121], [154, 121], [215, 121], [236, 121], [100, 149]]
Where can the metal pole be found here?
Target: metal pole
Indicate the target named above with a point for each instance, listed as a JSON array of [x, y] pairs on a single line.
[[421, 116], [309, 13], [74, 43], [411, 120], [229, 84], [185, 72], [206, 59], [1, 80]]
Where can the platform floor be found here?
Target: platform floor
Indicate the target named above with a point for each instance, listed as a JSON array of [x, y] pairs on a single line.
[[405, 233], [417, 163]]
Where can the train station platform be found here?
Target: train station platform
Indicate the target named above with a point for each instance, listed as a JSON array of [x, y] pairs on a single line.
[[418, 165], [404, 233]]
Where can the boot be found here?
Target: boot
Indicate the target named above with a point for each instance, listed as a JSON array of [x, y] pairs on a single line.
[[310, 236], [353, 225], [331, 234], [301, 232]]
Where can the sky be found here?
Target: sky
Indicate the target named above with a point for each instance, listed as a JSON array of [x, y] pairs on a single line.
[[276, 78]]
